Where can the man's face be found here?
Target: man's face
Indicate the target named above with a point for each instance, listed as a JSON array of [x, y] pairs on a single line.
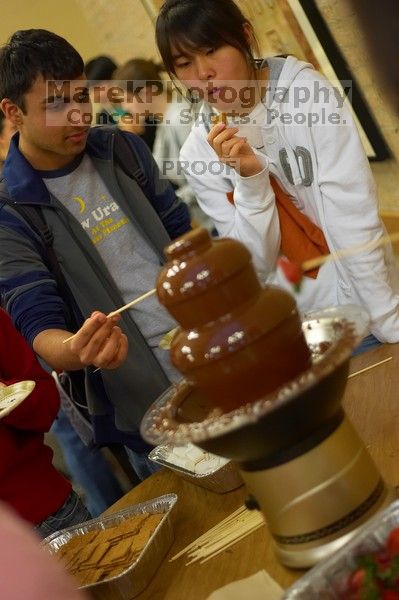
[[52, 130], [7, 131]]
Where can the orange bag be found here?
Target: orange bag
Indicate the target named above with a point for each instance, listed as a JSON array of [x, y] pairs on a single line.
[[300, 238]]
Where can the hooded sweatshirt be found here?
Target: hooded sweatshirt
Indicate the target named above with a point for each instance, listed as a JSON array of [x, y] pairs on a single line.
[[304, 134]]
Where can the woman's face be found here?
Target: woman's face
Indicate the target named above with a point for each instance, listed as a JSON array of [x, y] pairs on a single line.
[[222, 76]]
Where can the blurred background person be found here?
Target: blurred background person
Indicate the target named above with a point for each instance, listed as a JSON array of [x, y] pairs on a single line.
[[145, 99], [162, 117], [99, 72]]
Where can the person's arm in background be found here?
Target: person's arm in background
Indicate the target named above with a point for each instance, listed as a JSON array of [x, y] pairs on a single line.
[[27, 571], [31, 297], [351, 218]]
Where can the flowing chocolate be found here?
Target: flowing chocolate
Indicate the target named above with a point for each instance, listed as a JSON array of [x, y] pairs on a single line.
[[238, 341]]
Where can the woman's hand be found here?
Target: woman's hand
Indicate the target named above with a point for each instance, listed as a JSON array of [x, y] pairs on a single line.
[[234, 150]]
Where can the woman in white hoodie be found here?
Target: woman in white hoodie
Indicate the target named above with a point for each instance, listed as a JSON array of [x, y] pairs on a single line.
[[283, 120]]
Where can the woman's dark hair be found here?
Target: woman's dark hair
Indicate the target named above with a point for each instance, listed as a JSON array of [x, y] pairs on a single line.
[[193, 24], [33, 52], [140, 72], [100, 68], [139, 69]]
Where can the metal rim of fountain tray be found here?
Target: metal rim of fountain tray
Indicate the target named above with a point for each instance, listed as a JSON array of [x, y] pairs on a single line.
[[332, 334]]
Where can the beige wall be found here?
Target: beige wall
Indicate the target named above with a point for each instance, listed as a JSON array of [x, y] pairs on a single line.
[[63, 17], [343, 24], [120, 28], [124, 27]]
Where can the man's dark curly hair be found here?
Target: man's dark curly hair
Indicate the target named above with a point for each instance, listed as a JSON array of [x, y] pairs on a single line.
[[33, 52]]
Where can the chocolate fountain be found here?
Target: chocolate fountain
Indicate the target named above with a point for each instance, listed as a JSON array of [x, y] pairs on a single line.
[[264, 389]]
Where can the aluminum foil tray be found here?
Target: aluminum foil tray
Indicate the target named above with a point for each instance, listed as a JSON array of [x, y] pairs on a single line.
[[135, 579], [328, 580], [222, 480]]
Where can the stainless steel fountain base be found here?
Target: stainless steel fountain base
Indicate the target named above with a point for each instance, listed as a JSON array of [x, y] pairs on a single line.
[[315, 503], [297, 452]]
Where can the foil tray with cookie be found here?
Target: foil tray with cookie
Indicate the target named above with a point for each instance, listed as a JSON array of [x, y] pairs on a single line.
[[117, 555]]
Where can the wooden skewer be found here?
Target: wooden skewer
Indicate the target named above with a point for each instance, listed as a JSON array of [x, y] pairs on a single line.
[[307, 265], [132, 303], [370, 367], [210, 532], [119, 310], [231, 536], [231, 530], [234, 541], [313, 263]]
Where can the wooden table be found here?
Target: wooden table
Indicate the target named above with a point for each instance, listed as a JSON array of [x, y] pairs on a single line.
[[371, 402]]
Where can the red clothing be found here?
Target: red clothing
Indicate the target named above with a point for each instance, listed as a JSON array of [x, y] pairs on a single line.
[[28, 480]]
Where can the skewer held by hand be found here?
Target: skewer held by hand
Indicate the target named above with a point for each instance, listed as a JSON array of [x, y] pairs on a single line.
[[120, 310]]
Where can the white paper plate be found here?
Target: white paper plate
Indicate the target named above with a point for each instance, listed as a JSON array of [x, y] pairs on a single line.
[[12, 395]]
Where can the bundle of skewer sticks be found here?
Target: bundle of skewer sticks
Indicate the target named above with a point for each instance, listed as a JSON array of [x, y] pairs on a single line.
[[231, 530], [307, 265]]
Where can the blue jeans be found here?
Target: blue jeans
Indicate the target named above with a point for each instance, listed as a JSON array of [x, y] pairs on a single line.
[[367, 343], [72, 512], [87, 467], [143, 466]]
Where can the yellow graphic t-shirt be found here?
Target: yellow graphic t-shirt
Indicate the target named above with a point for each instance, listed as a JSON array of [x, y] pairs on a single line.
[[131, 261]]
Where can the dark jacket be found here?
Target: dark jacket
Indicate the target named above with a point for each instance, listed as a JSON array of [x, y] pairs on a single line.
[[117, 399]]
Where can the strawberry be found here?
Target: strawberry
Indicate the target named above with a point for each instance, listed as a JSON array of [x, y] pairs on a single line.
[[390, 595], [392, 544], [356, 580], [292, 272], [382, 559]]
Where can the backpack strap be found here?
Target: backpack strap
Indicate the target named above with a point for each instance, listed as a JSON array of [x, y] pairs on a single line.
[[33, 215], [127, 156], [128, 161]]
